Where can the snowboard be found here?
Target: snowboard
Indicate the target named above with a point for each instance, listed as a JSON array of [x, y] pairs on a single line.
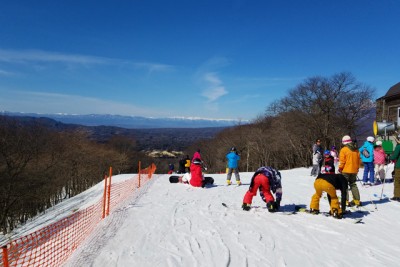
[[174, 179], [326, 214], [259, 208]]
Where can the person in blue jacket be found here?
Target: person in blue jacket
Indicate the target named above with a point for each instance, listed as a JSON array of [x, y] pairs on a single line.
[[367, 157], [233, 158]]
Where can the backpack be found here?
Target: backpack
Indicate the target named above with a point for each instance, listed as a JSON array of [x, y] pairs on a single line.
[[365, 153]]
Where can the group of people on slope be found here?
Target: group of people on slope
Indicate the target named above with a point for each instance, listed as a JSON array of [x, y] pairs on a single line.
[[267, 180], [372, 156], [350, 158]]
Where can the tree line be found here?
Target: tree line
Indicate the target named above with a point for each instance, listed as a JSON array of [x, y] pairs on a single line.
[[39, 167], [325, 108]]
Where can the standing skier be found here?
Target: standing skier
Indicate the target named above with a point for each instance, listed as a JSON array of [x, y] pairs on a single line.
[[266, 179], [349, 163], [367, 157], [233, 159]]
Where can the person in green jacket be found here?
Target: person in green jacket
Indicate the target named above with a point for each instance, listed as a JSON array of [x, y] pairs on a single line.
[[396, 156]]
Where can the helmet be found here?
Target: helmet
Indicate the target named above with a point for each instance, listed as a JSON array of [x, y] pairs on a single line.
[[327, 152], [378, 143], [370, 139], [346, 140], [233, 148]]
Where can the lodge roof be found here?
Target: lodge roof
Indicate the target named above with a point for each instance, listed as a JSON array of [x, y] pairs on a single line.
[[393, 91]]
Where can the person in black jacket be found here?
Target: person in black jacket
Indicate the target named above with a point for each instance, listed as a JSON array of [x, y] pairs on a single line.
[[329, 183]]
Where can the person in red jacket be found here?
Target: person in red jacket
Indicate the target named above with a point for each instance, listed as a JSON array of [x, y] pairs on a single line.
[[265, 179], [196, 172], [197, 179]]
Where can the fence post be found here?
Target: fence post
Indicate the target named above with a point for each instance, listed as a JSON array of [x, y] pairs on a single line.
[[139, 174], [5, 256], [109, 193], [104, 197]]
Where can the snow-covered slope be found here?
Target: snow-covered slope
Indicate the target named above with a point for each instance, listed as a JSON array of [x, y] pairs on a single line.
[[178, 225]]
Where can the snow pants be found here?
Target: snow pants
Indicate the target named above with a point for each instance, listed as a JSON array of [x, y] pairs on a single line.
[[321, 186], [380, 172], [396, 183], [369, 171], [352, 179], [236, 171], [260, 182], [315, 170]]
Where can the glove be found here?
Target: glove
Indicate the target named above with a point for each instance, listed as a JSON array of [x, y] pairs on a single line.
[[246, 206], [340, 170], [271, 206]]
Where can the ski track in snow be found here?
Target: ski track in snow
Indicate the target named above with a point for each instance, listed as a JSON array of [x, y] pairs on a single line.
[[179, 225]]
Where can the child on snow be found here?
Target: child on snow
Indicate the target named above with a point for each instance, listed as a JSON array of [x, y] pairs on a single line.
[[335, 155], [379, 161], [266, 179], [329, 183], [329, 163]]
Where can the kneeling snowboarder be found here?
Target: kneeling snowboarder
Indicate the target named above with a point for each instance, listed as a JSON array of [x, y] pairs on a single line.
[[329, 183], [266, 179]]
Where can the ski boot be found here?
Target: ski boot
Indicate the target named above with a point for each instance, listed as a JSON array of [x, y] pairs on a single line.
[[246, 206], [336, 214], [350, 204], [314, 211], [228, 182], [238, 182]]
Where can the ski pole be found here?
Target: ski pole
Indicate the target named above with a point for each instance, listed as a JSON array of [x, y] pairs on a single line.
[[370, 199]]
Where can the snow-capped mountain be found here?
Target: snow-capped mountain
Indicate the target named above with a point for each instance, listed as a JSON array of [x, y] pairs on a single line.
[[133, 122]]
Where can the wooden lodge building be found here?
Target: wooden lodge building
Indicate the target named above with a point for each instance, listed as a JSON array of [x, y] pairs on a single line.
[[388, 106]]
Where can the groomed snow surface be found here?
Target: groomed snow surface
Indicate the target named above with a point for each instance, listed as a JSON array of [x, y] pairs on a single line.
[[179, 225]]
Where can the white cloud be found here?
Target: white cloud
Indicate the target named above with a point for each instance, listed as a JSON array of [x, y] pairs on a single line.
[[5, 73], [35, 56], [215, 88]]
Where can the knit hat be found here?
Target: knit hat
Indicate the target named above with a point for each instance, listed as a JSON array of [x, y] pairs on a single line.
[[378, 143], [327, 152], [370, 139], [346, 139]]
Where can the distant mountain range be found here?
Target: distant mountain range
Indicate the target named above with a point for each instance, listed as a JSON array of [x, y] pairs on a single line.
[[131, 122]]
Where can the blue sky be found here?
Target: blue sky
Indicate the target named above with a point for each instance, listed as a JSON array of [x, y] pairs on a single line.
[[187, 58]]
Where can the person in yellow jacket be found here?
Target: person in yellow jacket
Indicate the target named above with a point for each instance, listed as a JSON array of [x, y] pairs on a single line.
[[187, 164], [349, 163]]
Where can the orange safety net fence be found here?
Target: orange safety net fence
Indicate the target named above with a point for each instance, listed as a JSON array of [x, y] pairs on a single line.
[[52, 245]]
